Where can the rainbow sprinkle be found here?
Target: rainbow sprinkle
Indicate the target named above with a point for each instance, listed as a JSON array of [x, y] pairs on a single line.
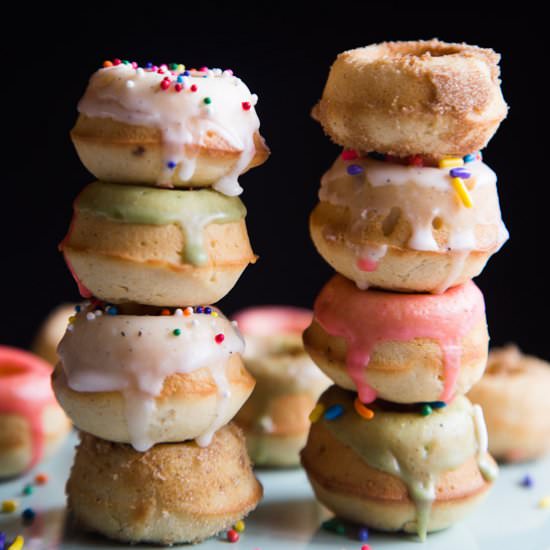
[[232, 535], [239, 526], [362, 410], [17, 543], [462, 192], [450, 162], [334, 412], [9, 506], [316, 413]]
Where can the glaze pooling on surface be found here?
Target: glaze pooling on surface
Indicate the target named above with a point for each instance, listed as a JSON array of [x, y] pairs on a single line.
[[207, 101], [134, 354], [366, 318], [25, 390], [416, 449], [190, 210], [424, 197]]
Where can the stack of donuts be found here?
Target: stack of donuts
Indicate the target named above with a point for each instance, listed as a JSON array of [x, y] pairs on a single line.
[[149, 372], [408, 214]]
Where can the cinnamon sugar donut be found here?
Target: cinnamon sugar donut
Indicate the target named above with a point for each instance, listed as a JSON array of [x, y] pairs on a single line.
[[399, 470], [168, 126], [173, 493], [159, 247], [514, 395], [32, 424], [406, 98], [150, 376], [403, 348], [275, 417], [404, 228]]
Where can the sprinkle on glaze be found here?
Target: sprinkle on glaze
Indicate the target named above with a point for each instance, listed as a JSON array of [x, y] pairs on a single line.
[[413, 448], [366, 318], [174, 103], [425, 198], [134, 354], [25, 390]]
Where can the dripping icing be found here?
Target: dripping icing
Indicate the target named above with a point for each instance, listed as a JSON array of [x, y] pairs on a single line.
[[366, 318], [191, 211], [411, 447], [423, 195], [182, 117], [134, 365]]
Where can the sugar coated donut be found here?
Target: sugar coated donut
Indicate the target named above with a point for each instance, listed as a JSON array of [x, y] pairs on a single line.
[[514, 395], [159, 247], [405, 227], [407, 98], [275, 418], [32, 425], [404, 348], [398, 470], [168, 126], [151, 376], [51, 331], [173, 493]]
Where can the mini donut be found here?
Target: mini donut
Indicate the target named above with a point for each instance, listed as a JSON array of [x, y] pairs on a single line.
[[173, 493], [172, 128], [159, 247], [51, 331], [407, 98], [514, 395], [275, 418], [32, 425], [399, 470], [149, 377], [404, 348], [403, 227]]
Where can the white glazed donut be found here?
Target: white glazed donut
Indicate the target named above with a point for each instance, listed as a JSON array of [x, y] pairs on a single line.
[[168, 126], [152, 375], [404, 227]]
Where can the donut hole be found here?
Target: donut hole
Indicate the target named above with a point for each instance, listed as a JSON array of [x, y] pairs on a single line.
[[437, 223], [434, 51], [391, 220]]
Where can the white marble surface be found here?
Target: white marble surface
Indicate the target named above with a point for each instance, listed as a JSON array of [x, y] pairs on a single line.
[[289, 518]]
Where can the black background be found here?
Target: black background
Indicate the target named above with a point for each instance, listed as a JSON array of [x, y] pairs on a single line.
[[283, 53]]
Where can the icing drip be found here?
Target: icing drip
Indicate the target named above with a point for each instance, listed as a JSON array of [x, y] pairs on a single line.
[[366, 318], [383, 192], [487, 468], [135, 96], [25, 390], [134, 354], [192, 211], [414, 448]]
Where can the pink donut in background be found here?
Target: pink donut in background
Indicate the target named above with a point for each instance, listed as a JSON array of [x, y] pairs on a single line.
[[275, 419], [32, 424]]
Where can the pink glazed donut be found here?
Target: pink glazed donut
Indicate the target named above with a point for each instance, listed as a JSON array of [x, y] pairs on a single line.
[[32, 424]]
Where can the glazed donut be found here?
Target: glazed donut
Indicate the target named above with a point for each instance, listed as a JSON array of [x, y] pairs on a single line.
[[404, 228], [51, 331], [151, 376], [399, 470], [404, 348], [275, 418], [32, 425], [407, 98], [168, 127], [515, 387], [156, 246], [173, 493]]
